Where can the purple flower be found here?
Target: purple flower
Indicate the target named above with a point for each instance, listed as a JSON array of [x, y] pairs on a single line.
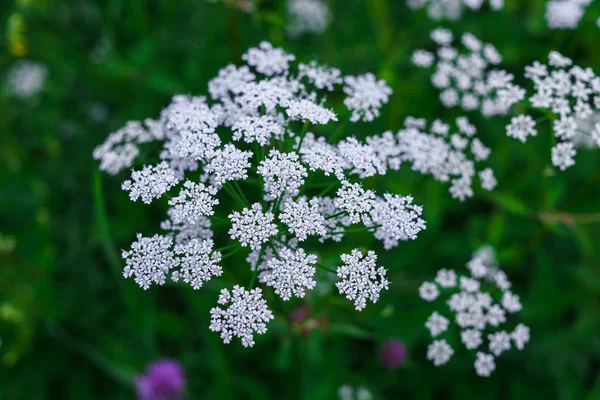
[[392, 353], [164, 380]]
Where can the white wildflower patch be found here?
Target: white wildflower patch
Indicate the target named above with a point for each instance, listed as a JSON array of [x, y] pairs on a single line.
[[477, 309], [452, 9], [246, 314], [252, 227], [360, 278], [245, 165], [290, 273], [150, 183], [469, 79]]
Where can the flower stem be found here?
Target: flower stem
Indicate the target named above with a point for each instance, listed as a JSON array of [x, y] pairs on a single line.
[[302, 135], [336, 215], [255, 273]]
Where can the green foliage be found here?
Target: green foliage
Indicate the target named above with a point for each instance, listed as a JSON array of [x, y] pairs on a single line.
[[73, 328]]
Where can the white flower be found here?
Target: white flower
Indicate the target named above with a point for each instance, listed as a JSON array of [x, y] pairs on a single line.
[[257, 129], [564, 14], [499, 342], [246, 314], [194, 200], [321, 76], [150, 260], [439, 352], [521, 128], [26, 79], [361, 279], [361, 157], [306, 110], [311, 16], [423, 58], [186, 231], [441, 36], [252, 227], [150, 183], [562, 155], [565, 128], [303, 218], [495, 315], [484, 364], [366, 95], [511, 302], [228, 164], [199, 263], [231, 79], [429, 291], [474, 308], [520, 336], [398, 218], [467, 79], [355, 200], [121, 147], [192, 124], [291, 274], [471, 338], [282, 173], [268, 60], [488, 181], [469, 284], [446, 278], [437, 324]]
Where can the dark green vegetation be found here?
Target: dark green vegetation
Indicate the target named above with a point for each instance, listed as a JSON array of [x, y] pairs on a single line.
[[73, 328]]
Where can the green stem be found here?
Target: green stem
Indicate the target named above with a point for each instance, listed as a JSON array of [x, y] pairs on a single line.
[[234, 195], [241, 192], [363, 229], [302, 135], [231, 253], [327, 189], [325, 268], [255, 273], [336, 215]]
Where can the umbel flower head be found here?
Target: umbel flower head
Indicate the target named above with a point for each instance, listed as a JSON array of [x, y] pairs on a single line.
[[478, 304], [469, 79], [452, 9], [569, 96], [255, 163]]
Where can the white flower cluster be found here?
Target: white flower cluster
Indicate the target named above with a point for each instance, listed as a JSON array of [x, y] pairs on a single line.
[[307, 16], [26, 79], [468, 80], [246, 314], [565, 14], [446, 156], [571, 95], [361, 279], [290, 273], [150, 260], [265, 108], [452, 9], [473, 308], [121, 147]]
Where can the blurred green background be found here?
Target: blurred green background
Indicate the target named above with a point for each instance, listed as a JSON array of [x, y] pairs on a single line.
[[72, 328]]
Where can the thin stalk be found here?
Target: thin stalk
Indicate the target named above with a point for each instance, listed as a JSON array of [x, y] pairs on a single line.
[[325, 268], [336, 215], [302, 135], [327, 189], [231, 253], [363, 229], [234, 195], [241, 192], [255, 273]]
